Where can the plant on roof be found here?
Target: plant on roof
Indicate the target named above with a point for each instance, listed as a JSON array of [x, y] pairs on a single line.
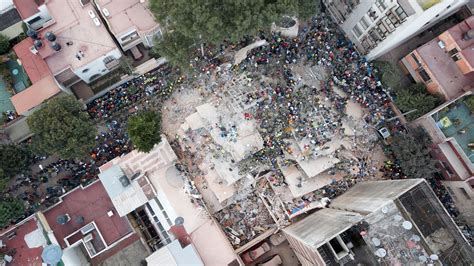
[[413, 154], [63, 128], [4, 44], [144, 130], [10, 211]]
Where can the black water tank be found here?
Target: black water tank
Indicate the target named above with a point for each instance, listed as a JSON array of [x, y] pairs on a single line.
[[56, 46], [32, 33], [50, 36], [38, 44]]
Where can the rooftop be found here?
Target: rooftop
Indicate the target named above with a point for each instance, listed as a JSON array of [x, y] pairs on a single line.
[[173, 255], [34, 95], [74, 25], [27, 8], [17, 239], [93, 204], [126, 15], [34, 65]]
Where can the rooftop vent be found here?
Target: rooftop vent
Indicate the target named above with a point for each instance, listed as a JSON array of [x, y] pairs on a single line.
[[124, 180], [79, 220], [56, 46], [38, 44], [105, 12], [50, 36], [96, 21], [91, 14], [468, 35]]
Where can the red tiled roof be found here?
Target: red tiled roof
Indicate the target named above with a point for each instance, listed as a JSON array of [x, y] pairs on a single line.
[[92, 203], [27, 8], [23, 255], [34, 65], [35, 94]]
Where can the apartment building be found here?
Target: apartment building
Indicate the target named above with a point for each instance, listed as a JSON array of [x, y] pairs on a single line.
[[451, 128], [130, 22], [377, 26], [71, 38], [393, 222], [446, 63]]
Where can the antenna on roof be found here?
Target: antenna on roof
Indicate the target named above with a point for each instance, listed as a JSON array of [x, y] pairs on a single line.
[[50, 36]]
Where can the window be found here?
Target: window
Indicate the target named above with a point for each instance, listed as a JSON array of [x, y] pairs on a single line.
[[424, 75], [454, 53], [389, 24], [364, 23], [108, 59], [357, 32], [401, 13], [380, 4], [464, 192], [35, 19], [85, 70], [372, 14], [381, 29], [413, 56]]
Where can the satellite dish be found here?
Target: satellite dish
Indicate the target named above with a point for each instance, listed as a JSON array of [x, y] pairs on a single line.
[[434, 257], [381, 253], [407, 225], [423, 258], [179, 221], [52, 254], [63, 219], [376, 241]]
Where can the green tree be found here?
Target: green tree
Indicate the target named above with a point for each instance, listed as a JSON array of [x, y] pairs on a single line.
[[415, 97], [412, 152], [213, 21], [62, 127], [388, 73], [13, 159], [4, 44], [175, 47], [10, 210], [144, 130]]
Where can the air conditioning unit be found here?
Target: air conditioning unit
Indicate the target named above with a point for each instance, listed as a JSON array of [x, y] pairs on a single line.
[[91, 14], [105, 12], [441, 44], [96, 22]]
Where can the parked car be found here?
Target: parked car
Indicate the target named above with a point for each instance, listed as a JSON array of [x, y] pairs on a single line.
[[255, 253], [273, 261], [385, 135]]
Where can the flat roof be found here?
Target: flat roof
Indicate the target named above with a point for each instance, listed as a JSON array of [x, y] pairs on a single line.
[[73, 24], [35, 66], [92, 203], [321, 226], [27, 8], [24, 255], [174, 254], [126, 15], [34, 95]]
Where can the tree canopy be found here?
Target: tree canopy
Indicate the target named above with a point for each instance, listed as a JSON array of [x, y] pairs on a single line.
[[415, 97], [144, 130], [14, 159], [61, 127], [4, 44], [213, 21], [10, 210], [412, 152], [388, 73]]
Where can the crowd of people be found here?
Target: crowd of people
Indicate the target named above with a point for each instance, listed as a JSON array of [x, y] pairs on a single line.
[[320, 43]]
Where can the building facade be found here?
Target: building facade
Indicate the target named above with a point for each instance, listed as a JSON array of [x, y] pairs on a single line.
[[377, 26], [10, 20], [445, 64], [380, 222]]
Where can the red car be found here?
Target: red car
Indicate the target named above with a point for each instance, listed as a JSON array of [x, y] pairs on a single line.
[[254, 254]]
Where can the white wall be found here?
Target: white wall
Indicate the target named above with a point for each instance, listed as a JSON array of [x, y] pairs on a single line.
[[44, 13], [96, 67], [5, 5]]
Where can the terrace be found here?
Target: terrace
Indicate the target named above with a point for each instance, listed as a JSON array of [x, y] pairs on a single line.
[[456, 121]]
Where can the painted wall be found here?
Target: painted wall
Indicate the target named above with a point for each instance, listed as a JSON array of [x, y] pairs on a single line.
[[96, 67]]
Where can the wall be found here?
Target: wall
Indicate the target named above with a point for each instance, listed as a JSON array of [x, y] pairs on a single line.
[[45, 17], [13, 31], [464, 203], [96, 67]]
